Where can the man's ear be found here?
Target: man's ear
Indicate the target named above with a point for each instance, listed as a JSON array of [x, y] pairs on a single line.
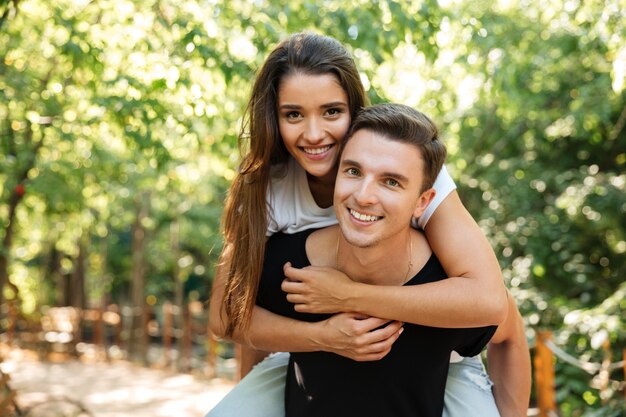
[[423, 201]]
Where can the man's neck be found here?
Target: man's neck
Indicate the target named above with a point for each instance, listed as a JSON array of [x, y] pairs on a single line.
[[384, 263]]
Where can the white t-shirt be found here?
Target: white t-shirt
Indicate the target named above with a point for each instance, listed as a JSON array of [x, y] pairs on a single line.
[[292, 208]]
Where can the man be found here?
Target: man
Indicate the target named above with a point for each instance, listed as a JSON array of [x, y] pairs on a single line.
[[387, 168]]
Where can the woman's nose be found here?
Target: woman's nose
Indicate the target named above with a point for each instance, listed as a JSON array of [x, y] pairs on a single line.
[[314, 131]]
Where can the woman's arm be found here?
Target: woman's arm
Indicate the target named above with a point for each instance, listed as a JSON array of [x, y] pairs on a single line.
[[475, 295], [217, 315], [508, 362], [348, 334], [476, 288], [217, 323]]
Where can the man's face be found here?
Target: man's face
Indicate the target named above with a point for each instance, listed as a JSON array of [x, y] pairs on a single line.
[[378, 188]]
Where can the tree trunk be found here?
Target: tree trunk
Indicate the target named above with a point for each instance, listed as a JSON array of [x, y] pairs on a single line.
[[179, 297], [137, 346], [7, 242], [16, 195], [77, 278]]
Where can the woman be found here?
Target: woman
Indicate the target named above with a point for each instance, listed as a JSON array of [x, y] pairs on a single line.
[[303, 100]]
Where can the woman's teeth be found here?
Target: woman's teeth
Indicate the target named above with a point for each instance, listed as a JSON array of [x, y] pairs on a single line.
[[316, 151]]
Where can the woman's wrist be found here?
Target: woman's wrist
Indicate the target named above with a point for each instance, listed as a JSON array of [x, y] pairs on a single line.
[[353, 297], [316, 336]]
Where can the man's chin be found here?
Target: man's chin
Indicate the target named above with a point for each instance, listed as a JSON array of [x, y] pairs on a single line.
[[359, 241]]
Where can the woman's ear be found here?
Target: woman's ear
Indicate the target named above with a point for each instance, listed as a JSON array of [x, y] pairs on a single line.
[[423, 201]]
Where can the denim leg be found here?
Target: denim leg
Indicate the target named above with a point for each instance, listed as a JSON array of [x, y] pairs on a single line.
[[468, 390], [261, 393]]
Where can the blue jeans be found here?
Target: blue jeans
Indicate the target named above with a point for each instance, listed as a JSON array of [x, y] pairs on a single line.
[[468, 390], [261, 393]]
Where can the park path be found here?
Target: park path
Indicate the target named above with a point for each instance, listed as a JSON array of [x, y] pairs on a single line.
[[117, 389]]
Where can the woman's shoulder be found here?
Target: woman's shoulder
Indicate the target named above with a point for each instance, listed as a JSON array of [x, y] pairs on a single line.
[[283, 171], [284, 179]]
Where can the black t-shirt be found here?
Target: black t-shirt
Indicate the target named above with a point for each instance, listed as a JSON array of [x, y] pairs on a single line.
[[409, 381]]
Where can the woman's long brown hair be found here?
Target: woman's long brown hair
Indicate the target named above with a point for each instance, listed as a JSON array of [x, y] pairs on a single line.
[[246, 213]]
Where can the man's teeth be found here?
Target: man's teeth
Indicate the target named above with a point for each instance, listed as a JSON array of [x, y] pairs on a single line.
[[315, 151], [363, 217]]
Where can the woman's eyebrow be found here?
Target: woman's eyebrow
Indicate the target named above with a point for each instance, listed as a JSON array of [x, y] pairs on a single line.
[[290, 106], [334, 104]]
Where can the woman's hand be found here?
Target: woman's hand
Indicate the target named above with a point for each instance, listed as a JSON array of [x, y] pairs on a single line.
[[359, 337], [317, 290]]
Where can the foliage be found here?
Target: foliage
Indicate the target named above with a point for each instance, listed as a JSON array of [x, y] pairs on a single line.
[[103, 103]]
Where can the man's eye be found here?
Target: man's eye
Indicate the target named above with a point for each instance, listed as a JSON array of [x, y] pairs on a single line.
[[391, 182], [352, 171]]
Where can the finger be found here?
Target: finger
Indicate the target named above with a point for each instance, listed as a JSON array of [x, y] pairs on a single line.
[[289, 270], [378, 348], [295, 298], [290, 286], [302, 308], [313, 268], [293, 274], [371, 323], [383, 333], [359, 316], [375, 355]]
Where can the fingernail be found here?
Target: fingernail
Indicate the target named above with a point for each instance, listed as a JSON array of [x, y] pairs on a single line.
[[400, 331]]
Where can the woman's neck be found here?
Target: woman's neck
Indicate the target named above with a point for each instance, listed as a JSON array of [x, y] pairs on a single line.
[[322, 188]]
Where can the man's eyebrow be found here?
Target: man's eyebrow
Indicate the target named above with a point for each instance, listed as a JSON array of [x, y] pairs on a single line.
[[394, 175], [350, 162]]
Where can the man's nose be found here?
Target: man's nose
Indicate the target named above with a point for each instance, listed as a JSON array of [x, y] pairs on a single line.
[[365, 195]]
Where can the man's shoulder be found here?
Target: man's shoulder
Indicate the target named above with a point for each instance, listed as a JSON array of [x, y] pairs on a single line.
[[321, 246]]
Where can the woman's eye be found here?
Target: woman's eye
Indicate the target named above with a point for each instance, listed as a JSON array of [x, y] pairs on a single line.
[[292, 115], [333, 112]]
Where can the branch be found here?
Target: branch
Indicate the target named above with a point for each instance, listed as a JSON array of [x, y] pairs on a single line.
[[14, 201], [5, 15], [619, 125]]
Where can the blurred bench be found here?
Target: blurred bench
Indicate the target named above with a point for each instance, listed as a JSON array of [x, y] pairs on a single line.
[[60, 329]]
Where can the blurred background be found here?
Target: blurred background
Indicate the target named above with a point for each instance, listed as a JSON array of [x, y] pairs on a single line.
[[118, 140]]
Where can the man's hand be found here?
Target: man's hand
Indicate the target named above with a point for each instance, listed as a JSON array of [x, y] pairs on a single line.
[[316, 290], [358, 337]]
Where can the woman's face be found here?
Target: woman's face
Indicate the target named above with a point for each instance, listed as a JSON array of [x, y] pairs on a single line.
[[313, 118]]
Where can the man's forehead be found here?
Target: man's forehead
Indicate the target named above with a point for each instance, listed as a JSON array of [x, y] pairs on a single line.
[[365, 141], [377, 152]]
